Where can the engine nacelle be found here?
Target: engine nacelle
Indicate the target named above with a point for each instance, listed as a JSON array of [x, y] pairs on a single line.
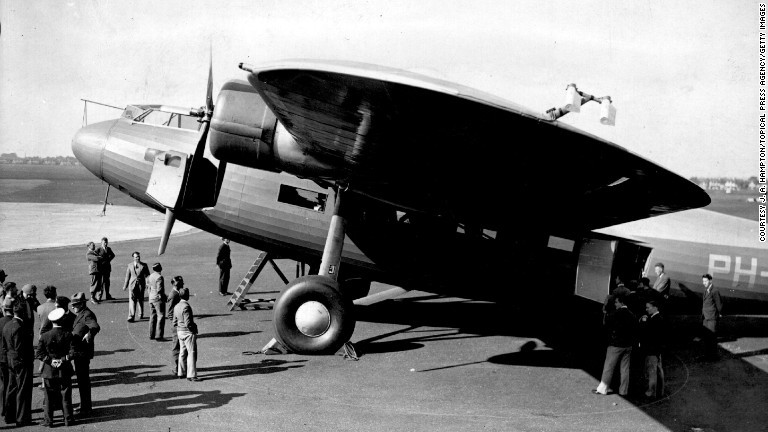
[[244, 131], [243, 127]]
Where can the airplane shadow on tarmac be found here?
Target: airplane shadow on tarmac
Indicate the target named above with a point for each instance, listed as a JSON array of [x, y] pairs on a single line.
[[700, 393]]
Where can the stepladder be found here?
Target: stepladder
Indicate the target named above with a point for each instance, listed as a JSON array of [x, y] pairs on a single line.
[[238, 298]]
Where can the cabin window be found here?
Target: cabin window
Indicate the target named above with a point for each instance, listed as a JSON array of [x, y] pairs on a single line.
[[307, 199]]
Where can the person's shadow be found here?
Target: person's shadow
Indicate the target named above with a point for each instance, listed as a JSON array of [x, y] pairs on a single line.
[[157, 404], [154, 374]]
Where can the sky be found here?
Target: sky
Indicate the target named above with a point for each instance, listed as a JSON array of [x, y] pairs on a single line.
[[682, 75]]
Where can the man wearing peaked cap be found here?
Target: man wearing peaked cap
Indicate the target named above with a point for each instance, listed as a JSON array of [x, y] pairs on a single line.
[[55, 351], [84, 317]]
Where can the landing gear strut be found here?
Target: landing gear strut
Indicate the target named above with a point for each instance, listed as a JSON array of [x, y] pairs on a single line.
[[312, 316]]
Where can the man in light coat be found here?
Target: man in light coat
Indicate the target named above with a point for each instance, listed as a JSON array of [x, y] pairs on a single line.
[[136, 282]]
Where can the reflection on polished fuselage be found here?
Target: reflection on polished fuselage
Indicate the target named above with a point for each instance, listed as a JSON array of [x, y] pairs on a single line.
[[247, 210]]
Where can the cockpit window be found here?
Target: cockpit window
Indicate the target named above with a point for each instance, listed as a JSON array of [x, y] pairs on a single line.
[[156, 117]]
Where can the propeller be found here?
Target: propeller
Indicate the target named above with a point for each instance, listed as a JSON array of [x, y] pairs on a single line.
[[170, 217]]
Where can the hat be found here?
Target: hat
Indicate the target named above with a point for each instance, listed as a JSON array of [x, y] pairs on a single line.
[[157, 267], [3, 273], [56, 315], [78, 298], [28, 289]]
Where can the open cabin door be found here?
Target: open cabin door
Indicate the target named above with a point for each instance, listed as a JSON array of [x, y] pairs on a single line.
[[169, 174], [602, 260], [178, 182], [593, 274]]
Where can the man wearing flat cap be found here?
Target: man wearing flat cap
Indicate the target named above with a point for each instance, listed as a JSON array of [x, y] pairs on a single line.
[[84, 319], [56, 352], [3, 275], [156, 286]]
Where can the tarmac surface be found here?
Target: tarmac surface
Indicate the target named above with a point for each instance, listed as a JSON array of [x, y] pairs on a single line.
[[426, 363]]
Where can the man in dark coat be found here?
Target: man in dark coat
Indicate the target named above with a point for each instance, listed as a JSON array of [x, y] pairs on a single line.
[[84, 329], [622, 326], [5, 319], [652, 341], [17, 343], [711, 311], [55, 351], [225, 263], [105, 267]]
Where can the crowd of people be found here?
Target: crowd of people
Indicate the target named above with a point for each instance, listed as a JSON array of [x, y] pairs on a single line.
[[66, 330], [636, 328], [65, 347]]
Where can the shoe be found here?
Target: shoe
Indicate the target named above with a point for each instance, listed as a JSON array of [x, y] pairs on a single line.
[[110, 298], [194, 379], [46, 424], [223, 294], [94, 301], [182, 376], [151, 338], [594, 391], [141, 317], [130, 319], [159, 339]]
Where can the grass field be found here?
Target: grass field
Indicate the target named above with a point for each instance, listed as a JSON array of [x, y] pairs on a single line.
[[56, 184]]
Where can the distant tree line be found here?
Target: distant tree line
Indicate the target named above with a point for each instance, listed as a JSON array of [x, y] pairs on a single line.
[[725, 183], [13, 158]]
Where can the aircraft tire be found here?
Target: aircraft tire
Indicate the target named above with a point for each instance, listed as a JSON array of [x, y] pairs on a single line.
[[321, 296]]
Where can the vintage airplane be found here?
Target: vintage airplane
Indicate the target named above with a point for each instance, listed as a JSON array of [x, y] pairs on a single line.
[[401, 178]]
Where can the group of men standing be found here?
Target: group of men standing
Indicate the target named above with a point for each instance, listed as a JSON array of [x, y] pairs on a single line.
[[649, 333], [65, 337], [100, 269], [173, 307]]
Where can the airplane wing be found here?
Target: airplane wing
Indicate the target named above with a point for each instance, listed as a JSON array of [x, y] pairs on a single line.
[[432, 146]]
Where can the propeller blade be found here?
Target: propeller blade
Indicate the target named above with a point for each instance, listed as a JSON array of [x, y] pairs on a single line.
[[209, 93], [170, 218]]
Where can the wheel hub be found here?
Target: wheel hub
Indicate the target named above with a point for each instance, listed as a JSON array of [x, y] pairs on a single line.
[[313, 319]]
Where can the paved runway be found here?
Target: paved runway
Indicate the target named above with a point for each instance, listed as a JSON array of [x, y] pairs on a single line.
[[427, 363]]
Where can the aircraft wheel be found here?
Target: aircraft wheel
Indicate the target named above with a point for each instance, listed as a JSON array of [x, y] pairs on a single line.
[[313, 317]]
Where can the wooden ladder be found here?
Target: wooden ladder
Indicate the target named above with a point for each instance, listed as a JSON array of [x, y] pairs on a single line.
[[238, 297]]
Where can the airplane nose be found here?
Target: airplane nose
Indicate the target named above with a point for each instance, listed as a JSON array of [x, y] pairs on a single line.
[[88, 145]]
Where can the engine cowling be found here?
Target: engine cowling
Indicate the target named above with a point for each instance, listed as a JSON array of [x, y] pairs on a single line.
[[244, 131], [243, 127]]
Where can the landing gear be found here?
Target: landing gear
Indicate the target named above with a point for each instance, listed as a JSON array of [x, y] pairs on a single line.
[[312, 317]]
